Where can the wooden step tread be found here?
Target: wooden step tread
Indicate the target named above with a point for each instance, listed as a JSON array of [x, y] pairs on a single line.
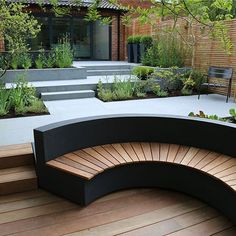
[[16, 155], [89, 162], [17, 179], [17, 173]]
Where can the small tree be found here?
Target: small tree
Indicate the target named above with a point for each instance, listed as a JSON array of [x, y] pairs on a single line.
[[209, 15], [16, 26]]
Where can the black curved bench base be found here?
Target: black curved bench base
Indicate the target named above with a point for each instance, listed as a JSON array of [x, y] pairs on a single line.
[[146, 174]]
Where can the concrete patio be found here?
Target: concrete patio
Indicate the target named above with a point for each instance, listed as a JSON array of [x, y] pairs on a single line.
[[20, 130]]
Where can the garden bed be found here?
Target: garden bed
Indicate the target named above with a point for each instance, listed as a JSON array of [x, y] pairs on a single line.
[[12, 114]]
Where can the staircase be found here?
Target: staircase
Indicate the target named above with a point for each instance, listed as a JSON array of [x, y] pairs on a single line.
[[17, 172], [78, 89]]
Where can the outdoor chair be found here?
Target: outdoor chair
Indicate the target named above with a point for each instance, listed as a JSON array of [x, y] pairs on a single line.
[[225, 73]]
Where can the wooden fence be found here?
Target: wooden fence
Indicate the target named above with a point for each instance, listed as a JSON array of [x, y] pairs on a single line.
[[208, 51]]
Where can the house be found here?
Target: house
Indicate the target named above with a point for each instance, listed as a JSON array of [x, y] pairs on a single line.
[[89, 40]]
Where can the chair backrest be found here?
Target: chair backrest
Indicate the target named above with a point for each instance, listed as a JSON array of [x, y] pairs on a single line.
[[220, 72]]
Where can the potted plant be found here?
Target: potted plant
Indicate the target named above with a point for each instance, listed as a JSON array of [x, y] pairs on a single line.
[[136, 48], [130, 49]]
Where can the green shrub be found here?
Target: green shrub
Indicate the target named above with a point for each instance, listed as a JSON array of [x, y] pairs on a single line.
[[4, 100], [137, 39], [15, 61], [142, 72], [36, 106], [171, 50], [151, 57], [122, 89], [50, 60], [130, 39], [186, 92], [146, 40], [25, 60], [104, 94], [156, 89], [63, 53], [40, 61]]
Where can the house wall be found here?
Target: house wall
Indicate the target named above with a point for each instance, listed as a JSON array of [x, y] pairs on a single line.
[[117, 46]]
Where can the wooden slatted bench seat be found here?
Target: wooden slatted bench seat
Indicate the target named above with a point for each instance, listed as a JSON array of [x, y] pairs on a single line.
[[89, 162], [84, 159]]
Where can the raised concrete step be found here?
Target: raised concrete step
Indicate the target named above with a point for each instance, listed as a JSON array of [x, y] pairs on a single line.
[[109, 72], [16, 155], [109, 67], [17, 179], [63, 95]]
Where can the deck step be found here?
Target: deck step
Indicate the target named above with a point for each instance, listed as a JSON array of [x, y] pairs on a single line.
[[16, 155], [108, 72], [62, 95], [17, 179]]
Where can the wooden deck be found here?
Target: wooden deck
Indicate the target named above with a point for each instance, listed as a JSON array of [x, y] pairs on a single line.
[[132, 212]]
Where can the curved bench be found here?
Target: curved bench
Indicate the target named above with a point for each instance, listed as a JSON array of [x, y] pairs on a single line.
[[84, 159]]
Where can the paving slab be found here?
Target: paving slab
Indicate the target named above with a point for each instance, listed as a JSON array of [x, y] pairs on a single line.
[[20, 130]]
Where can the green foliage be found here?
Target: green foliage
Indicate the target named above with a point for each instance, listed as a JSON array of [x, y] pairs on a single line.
[[232, 112], [50, 60], [4, 100], [151, 57], [130, 39], [171, 50], [25, 60], [156, 89], [40, 61], [20, 99], [122, 89], [142, 72], [134, 39], [105, 95], [146, 40], [17, 25], [63, 53], [201, 114]]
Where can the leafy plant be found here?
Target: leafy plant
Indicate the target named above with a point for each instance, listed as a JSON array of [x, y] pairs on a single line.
[[63, 53], [4, 100], [142, 72], [15, 61], [25, 60], [151, 57], [232, 112], [104, 94], [146, 40], [41, 60], [156, 89], [50, 60], [130, 39], [122, 89], [201, 114]]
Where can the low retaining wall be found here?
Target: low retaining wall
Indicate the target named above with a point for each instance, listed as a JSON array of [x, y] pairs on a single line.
[[46, 74]]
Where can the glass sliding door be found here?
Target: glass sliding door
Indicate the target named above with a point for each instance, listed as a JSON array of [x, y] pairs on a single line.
[[81, 40], [61, 27], [101, 41], [43, 38]]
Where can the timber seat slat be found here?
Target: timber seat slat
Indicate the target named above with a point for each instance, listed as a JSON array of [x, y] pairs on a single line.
[[155, 148], [129, 149], [104, 152], [217, 162], [173, 150], [89, 162], [164, 149], [147, 151], [138, 150], [82, 161], [198, 157], [89, 158], [114, 154], [99, 157]]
